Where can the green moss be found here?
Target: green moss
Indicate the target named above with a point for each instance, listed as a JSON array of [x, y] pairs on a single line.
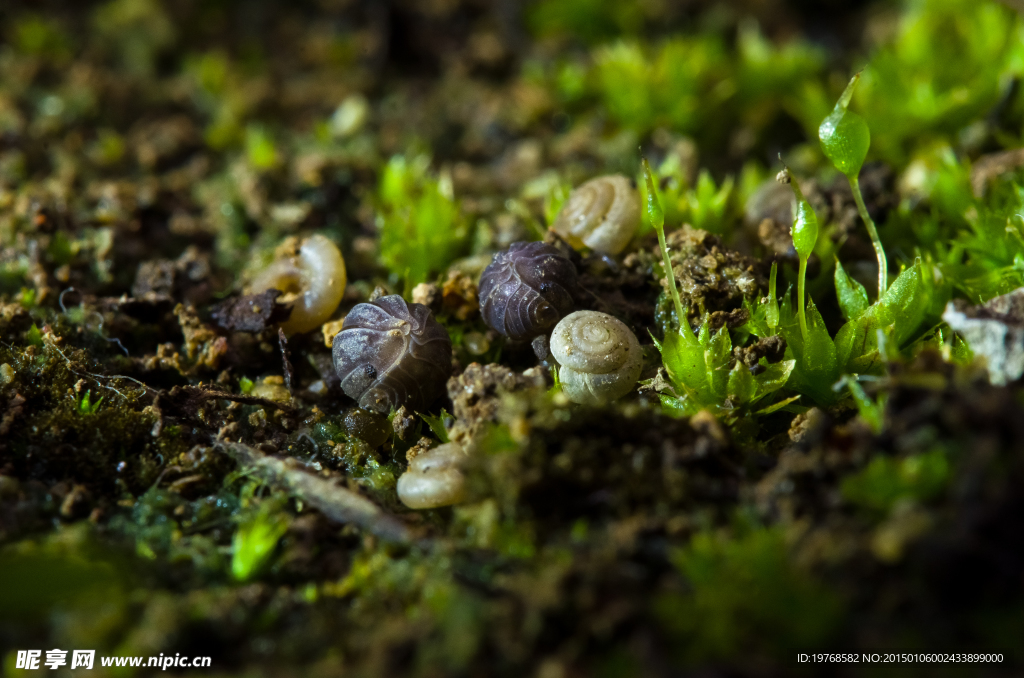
[[87, 407], [704, 374], [745, 592], [66, 572], [642, 92], [259, 148], [588, 20], [885, 481], [166, 527], [437, 424], [256, 538], [42, 37], [421, 227], [706, 205], [61, 250], [33, 336], [945, 68], [137, 29]]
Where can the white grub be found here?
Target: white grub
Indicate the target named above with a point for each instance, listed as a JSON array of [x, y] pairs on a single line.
[[434, 478], [313, 279]]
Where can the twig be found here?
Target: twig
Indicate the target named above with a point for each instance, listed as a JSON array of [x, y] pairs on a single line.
[[334, 501], [286, 364], [211, 394]]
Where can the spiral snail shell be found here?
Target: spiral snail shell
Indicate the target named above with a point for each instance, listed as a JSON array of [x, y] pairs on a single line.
[[599, 357], [434, 478], [312, 276], [602, 214], [526, 289], [391, 353]]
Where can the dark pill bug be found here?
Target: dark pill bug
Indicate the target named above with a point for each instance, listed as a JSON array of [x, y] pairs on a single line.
[[391, 353], [527, 289]]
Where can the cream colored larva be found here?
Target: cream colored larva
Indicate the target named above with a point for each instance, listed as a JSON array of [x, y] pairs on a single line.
[[434, 478], [599, 357], [312, 276], [602, 214]]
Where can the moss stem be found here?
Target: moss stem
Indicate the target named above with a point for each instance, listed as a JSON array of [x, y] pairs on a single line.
[[883, 267], [684, 325], [657, 216], [801, 312]]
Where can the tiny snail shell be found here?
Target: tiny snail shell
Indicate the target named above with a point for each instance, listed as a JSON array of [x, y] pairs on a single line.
[[602, 214], [391, 353], [314, 274], [599, 357], [434, 478], [527, 289]]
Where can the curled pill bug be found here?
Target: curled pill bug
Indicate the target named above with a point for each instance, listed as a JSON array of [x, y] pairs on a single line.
[[391, 353], [527, 289]]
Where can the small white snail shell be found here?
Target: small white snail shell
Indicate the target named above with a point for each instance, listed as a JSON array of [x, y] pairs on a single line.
[[312, 278], [599, 357], [602, 214], [434, 478]]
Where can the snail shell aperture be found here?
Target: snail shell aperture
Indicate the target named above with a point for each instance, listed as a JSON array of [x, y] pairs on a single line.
[[315, 273], [602, 214], [599, 357], [391, 353], [527, 289], [434, 478]]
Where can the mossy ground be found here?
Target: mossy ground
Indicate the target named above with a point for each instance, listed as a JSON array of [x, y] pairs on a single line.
[[167, 486]]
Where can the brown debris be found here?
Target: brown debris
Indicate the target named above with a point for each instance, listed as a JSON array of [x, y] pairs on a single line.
[[76, 503], [187, 278], [421, 446], [459, 296], [156, 142], [188, 402], [13, 318], [809, 426], [403, 422], [731, 319], [710, 276], [476, 396], [707, 425], [202, 343], [427, 294], [14, 410], [330, 330], [155, 277], [250, 312], [772, 349]]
